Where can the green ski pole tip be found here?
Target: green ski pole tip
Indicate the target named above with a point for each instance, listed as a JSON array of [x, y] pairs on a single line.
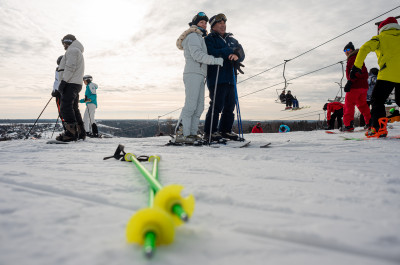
[[178, 210], [149, 245]]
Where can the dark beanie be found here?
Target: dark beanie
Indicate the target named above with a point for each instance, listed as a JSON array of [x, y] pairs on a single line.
[[197, 18], [325, 106], [349, 46]]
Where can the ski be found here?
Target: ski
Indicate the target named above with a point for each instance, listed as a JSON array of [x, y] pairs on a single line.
[[265, 145], [340, 132], [56, 142], [366, 138]]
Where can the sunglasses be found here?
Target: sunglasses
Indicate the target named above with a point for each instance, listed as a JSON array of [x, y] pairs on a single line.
[[218, 18], [347, 50]]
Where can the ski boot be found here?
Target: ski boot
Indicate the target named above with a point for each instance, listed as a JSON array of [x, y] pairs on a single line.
[[70, 134], [81, 132], [181, 139], [215, 136], [382, 132], [230, 135]]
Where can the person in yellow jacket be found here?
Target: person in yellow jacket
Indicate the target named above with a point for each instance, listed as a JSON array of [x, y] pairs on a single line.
[[387, 48]]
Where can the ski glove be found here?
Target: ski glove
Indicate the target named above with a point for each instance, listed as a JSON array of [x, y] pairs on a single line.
[[61, 87], [354, 71], [239, 52], [237, 65], [347, 86], [219, 61], [55, 93]]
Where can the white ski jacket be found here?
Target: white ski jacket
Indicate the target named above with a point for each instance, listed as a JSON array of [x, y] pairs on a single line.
[[72, 64], [195, 52]]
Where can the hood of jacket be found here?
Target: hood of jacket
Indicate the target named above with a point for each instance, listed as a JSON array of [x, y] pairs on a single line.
[[77, 44], [192, 29], [389, 26]]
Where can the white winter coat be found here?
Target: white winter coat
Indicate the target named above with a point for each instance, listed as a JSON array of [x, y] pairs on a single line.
[[73, 64], [195, 51]]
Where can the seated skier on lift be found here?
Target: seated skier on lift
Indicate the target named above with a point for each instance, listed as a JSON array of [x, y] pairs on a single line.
[[291, 100], [282, 97]]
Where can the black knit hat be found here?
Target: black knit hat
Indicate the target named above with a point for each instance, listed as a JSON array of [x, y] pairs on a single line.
[[374, 71], [68, 39], [325, 106], [349, 46], [59, 60], [198, 17]]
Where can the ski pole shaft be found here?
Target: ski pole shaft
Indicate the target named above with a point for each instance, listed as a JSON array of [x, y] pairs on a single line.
[[38, 117], [177, 209], [55, 125], [149, 245], [213, 105]]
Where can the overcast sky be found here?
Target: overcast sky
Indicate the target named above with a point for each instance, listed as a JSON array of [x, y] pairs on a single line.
[[130, 51]]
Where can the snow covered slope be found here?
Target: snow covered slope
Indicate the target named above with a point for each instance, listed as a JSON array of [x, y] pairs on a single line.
[[316, 199]]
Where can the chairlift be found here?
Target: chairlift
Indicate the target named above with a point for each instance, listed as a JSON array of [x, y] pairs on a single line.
[[339, 98], [280, 91]]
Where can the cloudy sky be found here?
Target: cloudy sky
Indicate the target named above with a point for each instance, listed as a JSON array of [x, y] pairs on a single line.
[[130, 51]]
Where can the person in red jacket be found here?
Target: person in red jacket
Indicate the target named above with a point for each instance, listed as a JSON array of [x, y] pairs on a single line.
[[257, 128], [337, 109], [356, 91]]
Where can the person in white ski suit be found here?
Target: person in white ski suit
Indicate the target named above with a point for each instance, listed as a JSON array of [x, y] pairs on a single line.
[[91, 103], [196, 58]]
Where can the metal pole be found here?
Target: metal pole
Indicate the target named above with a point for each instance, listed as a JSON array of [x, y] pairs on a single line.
[[38, 117], [212, 112]]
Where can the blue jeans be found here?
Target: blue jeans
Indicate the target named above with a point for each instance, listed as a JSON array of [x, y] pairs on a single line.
[[224, 102]]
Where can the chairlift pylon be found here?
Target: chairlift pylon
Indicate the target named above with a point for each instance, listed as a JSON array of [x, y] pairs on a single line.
[[337, 97]]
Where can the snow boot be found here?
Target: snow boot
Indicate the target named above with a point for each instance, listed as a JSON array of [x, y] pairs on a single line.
[[70, 134]]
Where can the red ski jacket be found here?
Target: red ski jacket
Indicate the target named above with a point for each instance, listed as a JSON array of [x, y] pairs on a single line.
[[332, 107], [361, 80], [257, 129]]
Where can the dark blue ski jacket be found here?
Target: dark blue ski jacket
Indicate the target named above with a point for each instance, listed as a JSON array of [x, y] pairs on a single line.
[[222, 47]]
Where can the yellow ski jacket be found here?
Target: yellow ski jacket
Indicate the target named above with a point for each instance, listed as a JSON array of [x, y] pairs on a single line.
[[387, 48]]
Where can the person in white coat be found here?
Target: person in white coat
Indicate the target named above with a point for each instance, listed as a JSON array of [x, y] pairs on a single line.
[[196, 60]]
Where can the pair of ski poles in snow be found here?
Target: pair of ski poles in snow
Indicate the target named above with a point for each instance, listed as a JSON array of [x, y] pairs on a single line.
[[155, 225]]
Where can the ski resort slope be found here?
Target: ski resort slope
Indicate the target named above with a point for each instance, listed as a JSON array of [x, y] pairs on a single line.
[[315, 199]]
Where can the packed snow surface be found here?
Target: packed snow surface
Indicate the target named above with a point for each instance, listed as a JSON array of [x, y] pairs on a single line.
[[310, 198]]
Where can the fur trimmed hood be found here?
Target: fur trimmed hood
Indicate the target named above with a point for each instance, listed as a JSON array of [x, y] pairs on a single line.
[[192, 29]]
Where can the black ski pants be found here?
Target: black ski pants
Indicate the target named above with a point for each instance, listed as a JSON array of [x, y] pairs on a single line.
[[379, 95], [337, 115], [69, 104], [225, 102]]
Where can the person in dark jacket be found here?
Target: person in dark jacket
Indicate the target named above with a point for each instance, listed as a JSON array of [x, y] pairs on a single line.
[[282, 97], [337, 109], [356, 91], [222, 44], [290, 99], [257, 128]]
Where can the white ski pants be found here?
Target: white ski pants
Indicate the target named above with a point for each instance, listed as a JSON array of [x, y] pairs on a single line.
[[88, 117], [194, 103]]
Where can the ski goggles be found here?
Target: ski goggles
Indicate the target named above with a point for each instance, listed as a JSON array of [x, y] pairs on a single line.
[[218, 18], [347, 50], [201, 14]]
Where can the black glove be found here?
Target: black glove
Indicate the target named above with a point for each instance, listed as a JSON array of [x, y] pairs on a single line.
[[61, 87], [347, 86], [239, 52], [354, 71], [237, 65], [55, 93]]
